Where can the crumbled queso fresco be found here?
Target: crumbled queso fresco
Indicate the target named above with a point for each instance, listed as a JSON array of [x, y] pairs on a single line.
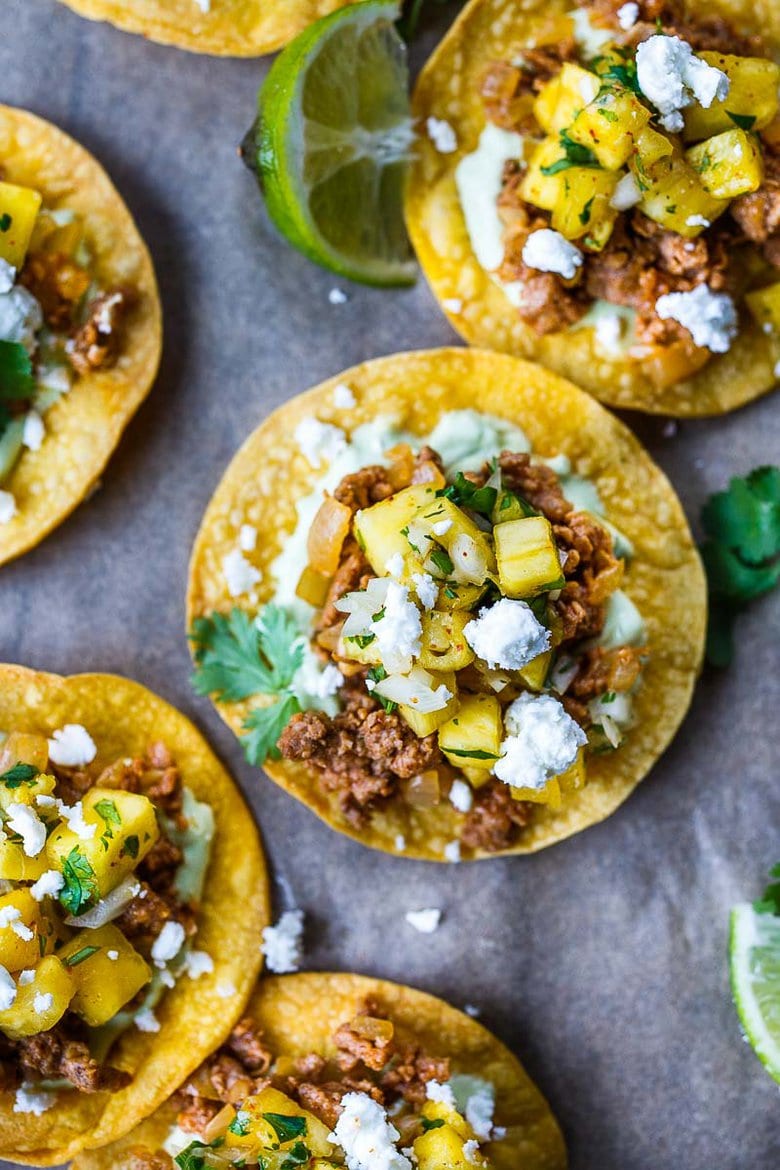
[[282, 943], [72, 746], [672, 77], [548, 251], [507, 635], [710, 317]]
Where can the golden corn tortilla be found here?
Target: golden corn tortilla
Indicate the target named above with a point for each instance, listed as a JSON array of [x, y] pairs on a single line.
[[123, 718], [230, 28], [448, 88], [665, 579], [300, 1013], [84, 426]]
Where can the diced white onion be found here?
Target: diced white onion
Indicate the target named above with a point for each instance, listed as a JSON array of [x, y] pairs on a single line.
[[414, 690]]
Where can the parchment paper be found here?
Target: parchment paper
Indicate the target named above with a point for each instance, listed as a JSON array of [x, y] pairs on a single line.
[[602, 961]]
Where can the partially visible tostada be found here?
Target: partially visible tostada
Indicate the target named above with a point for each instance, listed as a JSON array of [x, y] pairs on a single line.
[[449, 603], [328, 1070], [599, 189]]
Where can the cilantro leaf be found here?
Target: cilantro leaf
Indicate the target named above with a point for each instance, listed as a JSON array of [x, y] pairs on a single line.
[[81, 956], [742, 552], [81, 887], [264, 725], [770, 902], [376, 674], [575, 155], [16, 376], [744, 121], [18, 775], [299, 1155], [466, 494], [237, 658], [287, 1128], [193, 1157]]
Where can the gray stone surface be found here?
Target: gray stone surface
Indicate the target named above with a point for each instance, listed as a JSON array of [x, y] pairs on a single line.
[[602, 961]]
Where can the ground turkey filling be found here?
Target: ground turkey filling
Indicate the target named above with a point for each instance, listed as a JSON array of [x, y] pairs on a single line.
[[365, 754], [64, 1052], [369, 1059], [642, 261]]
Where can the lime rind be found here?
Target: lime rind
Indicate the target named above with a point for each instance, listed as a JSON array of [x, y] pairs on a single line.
[[333, 184], [754, 964]]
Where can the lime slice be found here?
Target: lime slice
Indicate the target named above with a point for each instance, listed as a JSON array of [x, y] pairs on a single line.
[[332, 140], [754, 959]]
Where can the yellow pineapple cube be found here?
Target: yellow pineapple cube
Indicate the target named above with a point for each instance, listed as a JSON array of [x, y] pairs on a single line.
[[610, 127], [272, 1121], [752, 102], [527, 556], [24, 930], [583, 208], [558, 102], [473, 736], [380, 528], [674, 197], [106, 970], [764, 304], [41, 1001], [728, 165], [19, 208], [444, 646], [542, 182]]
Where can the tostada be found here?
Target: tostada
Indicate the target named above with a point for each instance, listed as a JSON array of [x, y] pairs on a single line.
[[80, 326], [225, 28], [599, 189], [450, 603], [331, 1070], [134, 896]]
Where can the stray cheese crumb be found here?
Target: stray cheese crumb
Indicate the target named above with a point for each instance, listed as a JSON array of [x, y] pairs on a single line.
[[319, 442], [31, 1100], [343, 397], [146, 1021], [424, 921], [25, 821], [628, 15], [452, 851], [461, 796], [168, 943], [72, 746], [34, 431], [241, 576], [197, 963], [7, 507], [442, 135], [710, 317], [337, 297], [282, 943], [247, 538]]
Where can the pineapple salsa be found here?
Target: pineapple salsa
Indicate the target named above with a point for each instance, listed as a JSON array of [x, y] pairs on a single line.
[[628, 178], [56, 322], [101, 870], [449, 624], [371, 1102]]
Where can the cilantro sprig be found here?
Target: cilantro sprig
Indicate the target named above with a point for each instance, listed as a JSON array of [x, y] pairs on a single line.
[[81, 886], [575, 155], [18, 775], [238, 658], [466, 494], [16, 376], [741, 553], [769, 903]]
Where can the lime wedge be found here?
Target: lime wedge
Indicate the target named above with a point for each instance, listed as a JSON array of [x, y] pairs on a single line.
[[754, 960], [332, 140]]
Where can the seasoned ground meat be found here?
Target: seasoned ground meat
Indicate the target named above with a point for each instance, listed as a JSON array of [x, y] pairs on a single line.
[[95, 344], [758, 215], [363, 488], [195, 1112], [546, 302], [246, 1043], [61, 1052], [592, 572], [235, 1071], [411, 1070], [358, 1043], [324, 1099], [58, 283], [427, 463], [361, 754], [505, 87], [144, 917], [353, 573], [139, 1158], [605, 670], [495, 820], [535, 482]]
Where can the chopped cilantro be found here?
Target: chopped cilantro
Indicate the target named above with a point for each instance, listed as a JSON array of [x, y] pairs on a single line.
[[574, 156], [237, 658], [442, 561], [130, 846], [466, 494], [299, 1155], [742, 552], [609, 115], [109, 814], [376, 674], [620, 75], [16, 376], [193, 1157], [81, 888], [5, 221], [477, 754], [769, 903], [744, 121], [361, 640], [286, 1128], [450, 592], [586, 211], [240, 1124], [377, 617], [80, 956], [18, 775], [427, 1123]]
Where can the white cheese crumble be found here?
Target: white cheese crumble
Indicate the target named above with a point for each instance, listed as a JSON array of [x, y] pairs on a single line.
[[366, 1135], [476, 1100], [436, 1091], [26, 978], [628, 15], [461, 796], [42, 1001], [197, 963], [282, 944], [7, 507], [7, 989], [34, 431], [548, 251], [112, 955], [25, 821], [319, 442], [698, 221], [72, 746], [399, 630], [627, 193], [74, 815], [424, 921], [472, 1010], [471, 1151], [241, 576], [441, 527], [672, 78], [168, 943], [7, 276], [204, 6], [507, 635], [710, 317], [35, 1101], [426, 589], [337, 297], [146, 1021], [21, 317], [247, 538], [452, 852], [442, 135], [394, 565], [543, 741], [343, 397]]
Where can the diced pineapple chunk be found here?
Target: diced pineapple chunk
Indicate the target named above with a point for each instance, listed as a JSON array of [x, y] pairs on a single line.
[[610, 126], [673, 196], [441, 1111], [379, 529], [473, 736], [19, 208], [509, 506], [360, 648], [329, 529], [537, 187], [125, 831], [312, 587], [425, 723], [558, 102], [25, 791], [651, 147], [470, 556], [728, 165], [764, 304], [455, 595], [254, 1126], [527, 556], [16, 866], [103, 984], [24, 748], [534, 673], [443, 645], [584, 208], [39, 1004], [752, 102], [574, 777], [550, 794], [441, 1147], [23, 938]]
